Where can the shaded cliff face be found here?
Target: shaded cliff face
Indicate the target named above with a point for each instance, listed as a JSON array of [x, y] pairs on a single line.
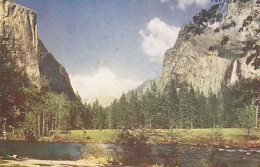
[[216, 56], [18, 26], [54, 72]]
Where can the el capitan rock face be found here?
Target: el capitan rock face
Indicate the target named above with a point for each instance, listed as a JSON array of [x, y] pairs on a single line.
[[204, 62], [54, 72], [18, 26]]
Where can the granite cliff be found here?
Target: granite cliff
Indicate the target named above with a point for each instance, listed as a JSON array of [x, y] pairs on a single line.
[[217, 55], [18, 26]]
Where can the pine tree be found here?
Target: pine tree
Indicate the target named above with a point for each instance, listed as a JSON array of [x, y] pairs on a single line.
[[134, 110], [229, 116], [13, 90], [114, 115], [213, 110], [150, 106], [172, 103], [202, 111], [86, 116], [193, 108], [123, 112], [184, 107], [99, 116]]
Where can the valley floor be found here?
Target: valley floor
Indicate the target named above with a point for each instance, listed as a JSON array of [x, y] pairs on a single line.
[[221, 137]]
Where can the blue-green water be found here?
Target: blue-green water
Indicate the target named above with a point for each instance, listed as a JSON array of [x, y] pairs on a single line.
[[159, 154], [41, 150]]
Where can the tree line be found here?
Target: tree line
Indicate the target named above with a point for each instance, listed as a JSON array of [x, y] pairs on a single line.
[[29, 109], [38, 112], [180, 106]]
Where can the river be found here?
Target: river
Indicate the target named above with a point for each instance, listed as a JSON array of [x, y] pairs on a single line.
[[158, 153]]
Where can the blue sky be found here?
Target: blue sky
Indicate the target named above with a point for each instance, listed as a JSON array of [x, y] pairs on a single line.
[[111, 46]]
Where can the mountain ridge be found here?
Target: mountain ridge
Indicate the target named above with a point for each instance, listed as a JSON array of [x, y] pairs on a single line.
[[18, 26], [216, 56]]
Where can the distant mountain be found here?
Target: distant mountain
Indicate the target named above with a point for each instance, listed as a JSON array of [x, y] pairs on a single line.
[[104, 101], [141, 90]]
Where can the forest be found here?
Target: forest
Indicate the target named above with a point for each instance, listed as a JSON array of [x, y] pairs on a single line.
[[179, 106], [36, 112]]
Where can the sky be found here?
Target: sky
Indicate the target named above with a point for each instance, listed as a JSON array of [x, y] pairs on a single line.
[[111, 46]]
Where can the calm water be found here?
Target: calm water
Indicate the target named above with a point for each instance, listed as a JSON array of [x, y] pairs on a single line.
[[158, 154]]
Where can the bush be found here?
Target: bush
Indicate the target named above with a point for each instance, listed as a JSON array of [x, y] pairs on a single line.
[[93, 151], [224, 40], [134, 147], [216, 136], [225, 53]]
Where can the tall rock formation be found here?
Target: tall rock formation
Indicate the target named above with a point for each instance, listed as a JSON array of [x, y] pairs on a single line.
[[216, 56], [18, 26]]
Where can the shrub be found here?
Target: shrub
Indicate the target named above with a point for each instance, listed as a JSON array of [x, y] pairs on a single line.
[[93, 150], [134, 146], [224, 40]]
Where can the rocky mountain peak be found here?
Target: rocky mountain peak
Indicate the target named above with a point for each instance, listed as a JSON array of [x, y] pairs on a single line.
[[18, 26], [217, 55]]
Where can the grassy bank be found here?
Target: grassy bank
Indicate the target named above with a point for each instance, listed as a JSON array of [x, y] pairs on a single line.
[[226, 136], [86, 136]]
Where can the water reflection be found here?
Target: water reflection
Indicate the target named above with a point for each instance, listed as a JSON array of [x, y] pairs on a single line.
[[160, 154]]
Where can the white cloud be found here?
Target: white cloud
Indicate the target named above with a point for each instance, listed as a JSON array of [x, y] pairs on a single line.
[[184, 3], [158, 38], [104, 82]]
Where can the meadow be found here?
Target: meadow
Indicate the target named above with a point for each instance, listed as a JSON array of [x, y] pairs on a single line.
[[223, 136]]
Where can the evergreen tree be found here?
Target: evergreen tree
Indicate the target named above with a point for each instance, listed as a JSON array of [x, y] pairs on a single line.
[[150, 107], [228, 109], [76, 110], [13, 90], [99, 116], [123, 112], [193, 108], [184, 117], [134, 111], [87, 117], [114, 115], [213, 110], [172, 103], [202, 111]]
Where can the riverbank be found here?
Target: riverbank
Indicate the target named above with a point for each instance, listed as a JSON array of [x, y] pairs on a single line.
[[233, 137], [34, 162]]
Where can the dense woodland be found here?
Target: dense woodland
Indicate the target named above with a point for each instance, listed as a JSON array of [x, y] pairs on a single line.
[[179, 106]]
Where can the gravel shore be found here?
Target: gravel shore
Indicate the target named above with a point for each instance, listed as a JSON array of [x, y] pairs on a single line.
[[40, 163]]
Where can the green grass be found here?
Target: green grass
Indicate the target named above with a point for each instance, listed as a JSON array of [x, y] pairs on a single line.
[[188, 136], [227, 133], [97, 135]]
